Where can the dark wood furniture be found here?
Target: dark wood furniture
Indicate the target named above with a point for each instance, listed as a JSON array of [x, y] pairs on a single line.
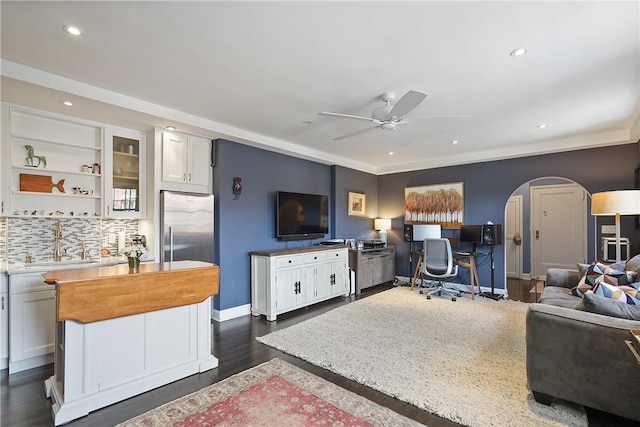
[[373, 266]]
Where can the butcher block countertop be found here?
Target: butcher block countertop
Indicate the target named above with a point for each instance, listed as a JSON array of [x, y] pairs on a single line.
[[93, 294]]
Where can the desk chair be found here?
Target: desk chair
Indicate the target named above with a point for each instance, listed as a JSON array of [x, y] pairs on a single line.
[[438, 264]]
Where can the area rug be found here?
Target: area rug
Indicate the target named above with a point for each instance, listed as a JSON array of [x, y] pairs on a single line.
[[275, 393], [462, 360]]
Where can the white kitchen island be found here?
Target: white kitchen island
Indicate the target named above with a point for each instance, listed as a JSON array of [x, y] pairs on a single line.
[[119, 334]]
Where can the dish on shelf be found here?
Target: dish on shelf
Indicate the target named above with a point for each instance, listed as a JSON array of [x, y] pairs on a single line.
[[104, 252]]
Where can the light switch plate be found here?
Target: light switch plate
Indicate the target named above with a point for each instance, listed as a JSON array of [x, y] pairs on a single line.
[[608, 229]]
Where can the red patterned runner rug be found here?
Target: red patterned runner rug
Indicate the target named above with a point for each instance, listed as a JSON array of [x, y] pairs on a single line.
[[275, 393]]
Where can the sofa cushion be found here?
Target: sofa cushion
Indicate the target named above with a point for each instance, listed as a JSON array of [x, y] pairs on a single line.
[[558, 296], [625, 293], [598, 272], [596, 304]]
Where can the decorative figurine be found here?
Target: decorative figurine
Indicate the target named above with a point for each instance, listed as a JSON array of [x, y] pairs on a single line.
[[31, 156]]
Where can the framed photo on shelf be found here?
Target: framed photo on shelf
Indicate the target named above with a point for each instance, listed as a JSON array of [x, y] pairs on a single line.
[[357, 202]]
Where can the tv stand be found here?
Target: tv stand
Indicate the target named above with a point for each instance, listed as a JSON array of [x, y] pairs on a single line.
[[288, 279]]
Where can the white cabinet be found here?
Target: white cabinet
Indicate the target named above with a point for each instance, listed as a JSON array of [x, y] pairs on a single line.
[[289, 279], [125, 173], [31, 321], [4, 322], [186, 163], [52, 165]]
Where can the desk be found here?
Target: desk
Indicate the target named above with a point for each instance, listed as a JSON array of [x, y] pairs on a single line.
[[471, 265]]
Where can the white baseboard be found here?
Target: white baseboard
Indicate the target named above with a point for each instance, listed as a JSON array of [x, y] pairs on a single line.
[[230, 313]]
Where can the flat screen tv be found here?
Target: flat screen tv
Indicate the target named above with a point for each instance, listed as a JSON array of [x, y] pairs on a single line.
[[301, 216]]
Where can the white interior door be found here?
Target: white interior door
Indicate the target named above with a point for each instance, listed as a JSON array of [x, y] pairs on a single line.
[[513, 231], [558, 227]]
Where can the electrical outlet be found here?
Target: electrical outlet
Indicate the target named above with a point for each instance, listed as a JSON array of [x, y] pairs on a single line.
[[608, 229]]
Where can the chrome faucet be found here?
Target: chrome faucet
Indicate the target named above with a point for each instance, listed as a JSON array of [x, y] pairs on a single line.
[[58, 252], [85, 252]]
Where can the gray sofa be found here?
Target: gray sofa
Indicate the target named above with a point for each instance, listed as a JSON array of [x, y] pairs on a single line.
[[578, 355]]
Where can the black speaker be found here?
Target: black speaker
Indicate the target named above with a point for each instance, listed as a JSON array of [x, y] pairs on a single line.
[[492, 234], [408, 233]]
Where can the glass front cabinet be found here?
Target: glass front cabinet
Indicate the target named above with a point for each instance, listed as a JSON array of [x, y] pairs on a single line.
[[124, 173]]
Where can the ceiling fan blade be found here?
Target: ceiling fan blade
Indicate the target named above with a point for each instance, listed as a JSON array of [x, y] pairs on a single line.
[[349, 135], [407, 103], [348, 116]]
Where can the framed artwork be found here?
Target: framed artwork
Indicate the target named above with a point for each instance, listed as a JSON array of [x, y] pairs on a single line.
[[357, 202], [435, 204]]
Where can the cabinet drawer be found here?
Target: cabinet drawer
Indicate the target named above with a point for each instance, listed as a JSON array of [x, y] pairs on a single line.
[[336, 255], [313, 257], [288, 261]]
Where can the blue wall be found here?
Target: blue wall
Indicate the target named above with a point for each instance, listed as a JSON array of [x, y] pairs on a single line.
[[488, 186], [247, 223]]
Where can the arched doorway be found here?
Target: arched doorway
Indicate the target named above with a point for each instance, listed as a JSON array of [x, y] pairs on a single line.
[[547, 224]]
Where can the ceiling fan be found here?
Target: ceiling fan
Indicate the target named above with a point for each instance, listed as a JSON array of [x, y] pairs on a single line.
[[388, 116]]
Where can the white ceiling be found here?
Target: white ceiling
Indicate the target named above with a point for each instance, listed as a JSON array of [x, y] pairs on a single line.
[[254, 72]]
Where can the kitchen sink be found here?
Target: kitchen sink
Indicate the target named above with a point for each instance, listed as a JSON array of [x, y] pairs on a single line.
[[53, 265]]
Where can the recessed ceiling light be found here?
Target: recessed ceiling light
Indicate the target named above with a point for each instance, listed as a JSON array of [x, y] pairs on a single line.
[[73, 30], [170, 127], [391, 153], [68, 103], [454, 142], [542, 126], [518, 52]]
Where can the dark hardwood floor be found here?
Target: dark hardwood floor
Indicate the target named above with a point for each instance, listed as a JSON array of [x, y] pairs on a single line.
[[23, 404]]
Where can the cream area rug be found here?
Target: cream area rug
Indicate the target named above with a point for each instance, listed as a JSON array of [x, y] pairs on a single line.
[[462, 360]]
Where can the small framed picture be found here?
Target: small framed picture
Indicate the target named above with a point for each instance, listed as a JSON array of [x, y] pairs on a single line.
[[357, 202]]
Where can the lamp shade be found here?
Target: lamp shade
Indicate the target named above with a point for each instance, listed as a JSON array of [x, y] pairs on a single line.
[[382, 224], [621, 202]]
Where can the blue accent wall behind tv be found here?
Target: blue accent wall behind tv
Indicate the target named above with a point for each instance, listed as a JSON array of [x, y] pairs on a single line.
[[247, 223]]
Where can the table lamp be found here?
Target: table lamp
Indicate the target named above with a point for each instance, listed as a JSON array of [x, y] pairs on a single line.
[[382, 225], [621, 202]]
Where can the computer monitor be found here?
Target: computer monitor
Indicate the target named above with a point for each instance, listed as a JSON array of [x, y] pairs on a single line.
[[426, 231]]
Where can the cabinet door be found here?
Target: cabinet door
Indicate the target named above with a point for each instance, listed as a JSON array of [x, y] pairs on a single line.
[[174, 154], [199, 161], [287, 289], [32, 325], [4, 325], [339, 278], [125, 173], [324, 281]]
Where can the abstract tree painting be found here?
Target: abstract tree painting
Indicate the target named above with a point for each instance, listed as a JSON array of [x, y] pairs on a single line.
[[435, 204]]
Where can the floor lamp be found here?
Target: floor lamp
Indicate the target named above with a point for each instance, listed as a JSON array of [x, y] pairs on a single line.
[[621, 202]]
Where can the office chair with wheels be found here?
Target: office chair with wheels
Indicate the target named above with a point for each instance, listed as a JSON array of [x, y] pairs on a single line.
[[438, 264]]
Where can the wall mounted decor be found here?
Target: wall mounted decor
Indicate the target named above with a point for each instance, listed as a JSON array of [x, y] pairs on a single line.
[[237, 186], [435, 204], [357, 202]]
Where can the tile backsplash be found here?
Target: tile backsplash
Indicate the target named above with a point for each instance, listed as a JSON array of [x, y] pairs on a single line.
[[34, 237]]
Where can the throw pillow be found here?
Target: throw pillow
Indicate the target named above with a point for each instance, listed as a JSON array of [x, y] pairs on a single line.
[[596, 304], [598, 272], [623, 293], [633, 264]]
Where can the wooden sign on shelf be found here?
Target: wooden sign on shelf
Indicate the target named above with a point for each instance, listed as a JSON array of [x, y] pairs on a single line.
[[39, 183]]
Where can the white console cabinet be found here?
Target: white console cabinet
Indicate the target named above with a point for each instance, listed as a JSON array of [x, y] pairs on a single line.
[[285, 280]]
